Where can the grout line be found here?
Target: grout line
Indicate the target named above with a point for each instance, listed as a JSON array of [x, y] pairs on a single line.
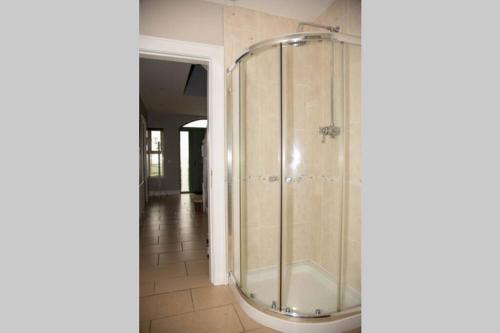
[[192, 299], [237, 315], [177, 290], [195, 311]]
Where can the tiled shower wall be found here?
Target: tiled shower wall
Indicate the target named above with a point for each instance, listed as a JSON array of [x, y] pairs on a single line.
[[312, 205], [242, 28], [347, 15]]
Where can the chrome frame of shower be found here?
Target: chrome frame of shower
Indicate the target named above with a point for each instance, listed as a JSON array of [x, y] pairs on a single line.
[[330, 28], [294, 40]]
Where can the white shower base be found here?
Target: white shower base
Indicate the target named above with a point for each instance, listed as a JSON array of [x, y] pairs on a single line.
[[306, 287]]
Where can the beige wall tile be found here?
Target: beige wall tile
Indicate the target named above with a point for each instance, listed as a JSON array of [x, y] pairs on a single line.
[[355, 153], [353, 265], [354, 213]]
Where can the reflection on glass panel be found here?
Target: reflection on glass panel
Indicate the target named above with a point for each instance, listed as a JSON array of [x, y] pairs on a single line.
[[184, 147]]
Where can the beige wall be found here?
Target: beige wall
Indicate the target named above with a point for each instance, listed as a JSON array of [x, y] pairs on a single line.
[[343, 13], [191, 20], [244, 27]]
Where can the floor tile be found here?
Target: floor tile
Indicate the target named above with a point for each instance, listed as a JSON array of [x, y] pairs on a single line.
[[181, 227], [182, 283], [248, 323], [194, 245], [217, 320], [144, 326], [147, 241], [146, 288], [210, 297], [197, 267], [166, 271], [158, 306], [161, 248], [167, 238], [167, 258], [148, 260]]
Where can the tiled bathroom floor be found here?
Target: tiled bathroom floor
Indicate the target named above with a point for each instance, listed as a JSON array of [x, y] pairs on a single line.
[[176, 295]]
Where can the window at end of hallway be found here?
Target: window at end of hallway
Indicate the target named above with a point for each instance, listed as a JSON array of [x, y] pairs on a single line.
[[155, 153]]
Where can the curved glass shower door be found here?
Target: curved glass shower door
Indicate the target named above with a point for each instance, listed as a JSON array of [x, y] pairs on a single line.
[[312, 176], [259, 176], [293, 175]]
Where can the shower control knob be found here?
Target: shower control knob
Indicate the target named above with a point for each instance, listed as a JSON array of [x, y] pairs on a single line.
[[288, 179]]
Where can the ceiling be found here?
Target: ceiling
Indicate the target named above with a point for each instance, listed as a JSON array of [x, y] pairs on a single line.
[[302, 10], [161, 87]]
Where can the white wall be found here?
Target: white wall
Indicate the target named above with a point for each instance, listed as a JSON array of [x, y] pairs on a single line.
[[190, 20]]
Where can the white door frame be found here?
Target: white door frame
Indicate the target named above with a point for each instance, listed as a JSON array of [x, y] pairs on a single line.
[[213, 56]]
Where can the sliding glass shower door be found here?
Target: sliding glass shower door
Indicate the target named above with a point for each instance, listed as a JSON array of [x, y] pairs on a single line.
[[260, 176], [312, 151]]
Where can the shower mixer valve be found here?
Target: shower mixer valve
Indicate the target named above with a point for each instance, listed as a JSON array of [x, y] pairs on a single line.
[[331, 130]]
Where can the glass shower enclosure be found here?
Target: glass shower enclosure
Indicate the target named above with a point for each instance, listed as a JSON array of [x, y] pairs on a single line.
[[293, 248]]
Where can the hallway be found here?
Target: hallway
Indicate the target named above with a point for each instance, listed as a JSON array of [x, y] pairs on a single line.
[[175, 290]]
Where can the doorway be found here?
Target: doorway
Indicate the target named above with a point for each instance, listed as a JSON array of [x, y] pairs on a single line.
[[211, 56], [193, 164]]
